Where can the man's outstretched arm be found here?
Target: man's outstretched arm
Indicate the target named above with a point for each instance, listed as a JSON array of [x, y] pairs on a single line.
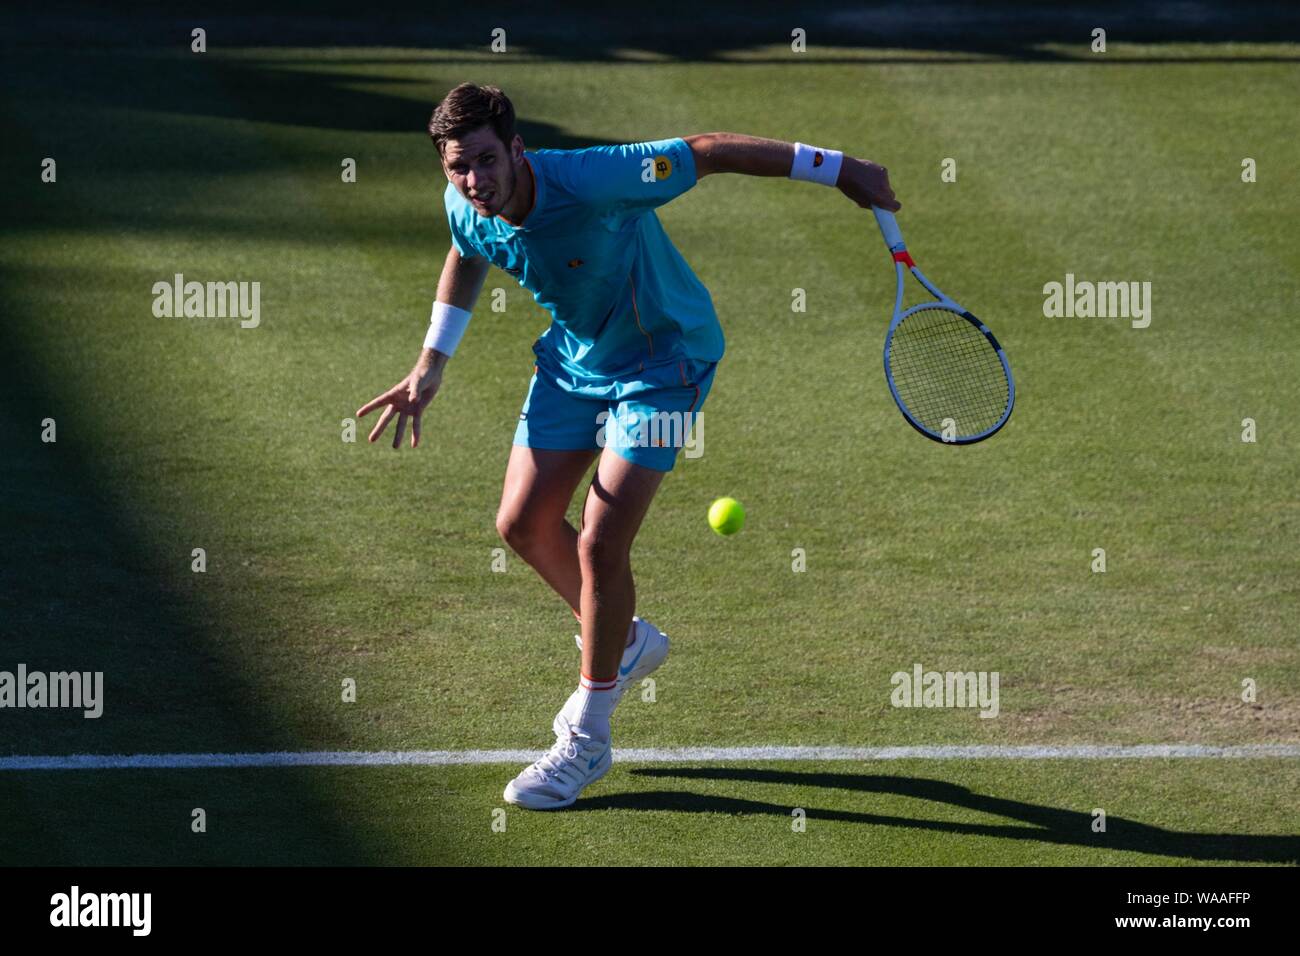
[[458, 289], [865, 182]]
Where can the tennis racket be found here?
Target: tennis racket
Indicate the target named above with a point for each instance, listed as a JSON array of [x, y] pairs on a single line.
[[946, 371]]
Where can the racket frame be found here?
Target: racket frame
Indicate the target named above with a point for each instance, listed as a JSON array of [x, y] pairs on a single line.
[[902, 258]]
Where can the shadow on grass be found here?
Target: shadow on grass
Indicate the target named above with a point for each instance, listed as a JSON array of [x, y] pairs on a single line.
[[671, 29], [98, 61], [1045, 824], [122, 129], [82, 590], [116, 87]]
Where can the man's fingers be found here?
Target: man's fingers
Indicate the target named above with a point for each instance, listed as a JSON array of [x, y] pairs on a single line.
[[380, 425], [378, 400], [401, 429], [883, 193], [884, 197], [415, 430]]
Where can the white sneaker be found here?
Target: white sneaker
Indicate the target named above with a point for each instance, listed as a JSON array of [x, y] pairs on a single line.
[[640, 659], [555, 780]]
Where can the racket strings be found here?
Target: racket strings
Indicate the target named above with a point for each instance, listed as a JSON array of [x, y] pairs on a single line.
[[943, 367]]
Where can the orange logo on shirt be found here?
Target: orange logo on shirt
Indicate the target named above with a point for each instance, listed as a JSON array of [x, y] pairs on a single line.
[[663, 167], [817, 159]]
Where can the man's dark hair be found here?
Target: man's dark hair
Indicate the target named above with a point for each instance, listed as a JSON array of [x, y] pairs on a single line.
[[468, 107]]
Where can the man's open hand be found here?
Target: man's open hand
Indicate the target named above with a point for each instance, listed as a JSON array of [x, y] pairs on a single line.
[[406, 399]]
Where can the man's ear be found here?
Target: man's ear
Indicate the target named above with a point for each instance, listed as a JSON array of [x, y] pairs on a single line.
[[517, 149]]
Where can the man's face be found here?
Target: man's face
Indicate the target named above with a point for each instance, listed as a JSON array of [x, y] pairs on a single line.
[[482, 169]]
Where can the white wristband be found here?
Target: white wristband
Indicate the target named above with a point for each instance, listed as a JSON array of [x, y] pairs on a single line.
[[446, 326], [816, 165]]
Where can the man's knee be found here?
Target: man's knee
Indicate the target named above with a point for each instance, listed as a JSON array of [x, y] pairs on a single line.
[[601, 551], [515, 530], [524, 532]]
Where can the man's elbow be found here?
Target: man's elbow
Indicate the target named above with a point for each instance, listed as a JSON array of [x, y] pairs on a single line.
[[702, 146]]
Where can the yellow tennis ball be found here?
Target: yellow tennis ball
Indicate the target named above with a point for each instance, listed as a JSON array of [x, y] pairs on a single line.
[[726, 516]]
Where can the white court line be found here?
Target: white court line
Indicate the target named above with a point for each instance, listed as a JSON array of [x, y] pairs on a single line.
[[443, 758]]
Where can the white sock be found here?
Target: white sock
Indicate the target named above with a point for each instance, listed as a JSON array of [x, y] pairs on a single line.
[[594, 705], [570, 708]]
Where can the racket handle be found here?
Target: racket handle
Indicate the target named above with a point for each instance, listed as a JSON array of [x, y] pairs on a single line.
[[889, 229]]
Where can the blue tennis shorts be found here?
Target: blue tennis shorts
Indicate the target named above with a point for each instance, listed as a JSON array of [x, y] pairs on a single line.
[[647, 418]]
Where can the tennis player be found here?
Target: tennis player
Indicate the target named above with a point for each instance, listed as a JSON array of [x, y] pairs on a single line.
[[633, 337]]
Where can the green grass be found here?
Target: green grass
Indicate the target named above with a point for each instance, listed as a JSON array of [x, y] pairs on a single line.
[[329, 560], [891, 813]]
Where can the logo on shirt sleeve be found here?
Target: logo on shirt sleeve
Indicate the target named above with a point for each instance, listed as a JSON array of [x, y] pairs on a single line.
[[663, 167]]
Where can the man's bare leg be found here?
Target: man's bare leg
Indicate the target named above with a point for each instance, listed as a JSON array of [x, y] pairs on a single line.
[[538, 487], [616, 503], [619, 497]]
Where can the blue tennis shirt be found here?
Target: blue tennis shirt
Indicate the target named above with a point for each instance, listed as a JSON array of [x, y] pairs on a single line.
[[593, 253]]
